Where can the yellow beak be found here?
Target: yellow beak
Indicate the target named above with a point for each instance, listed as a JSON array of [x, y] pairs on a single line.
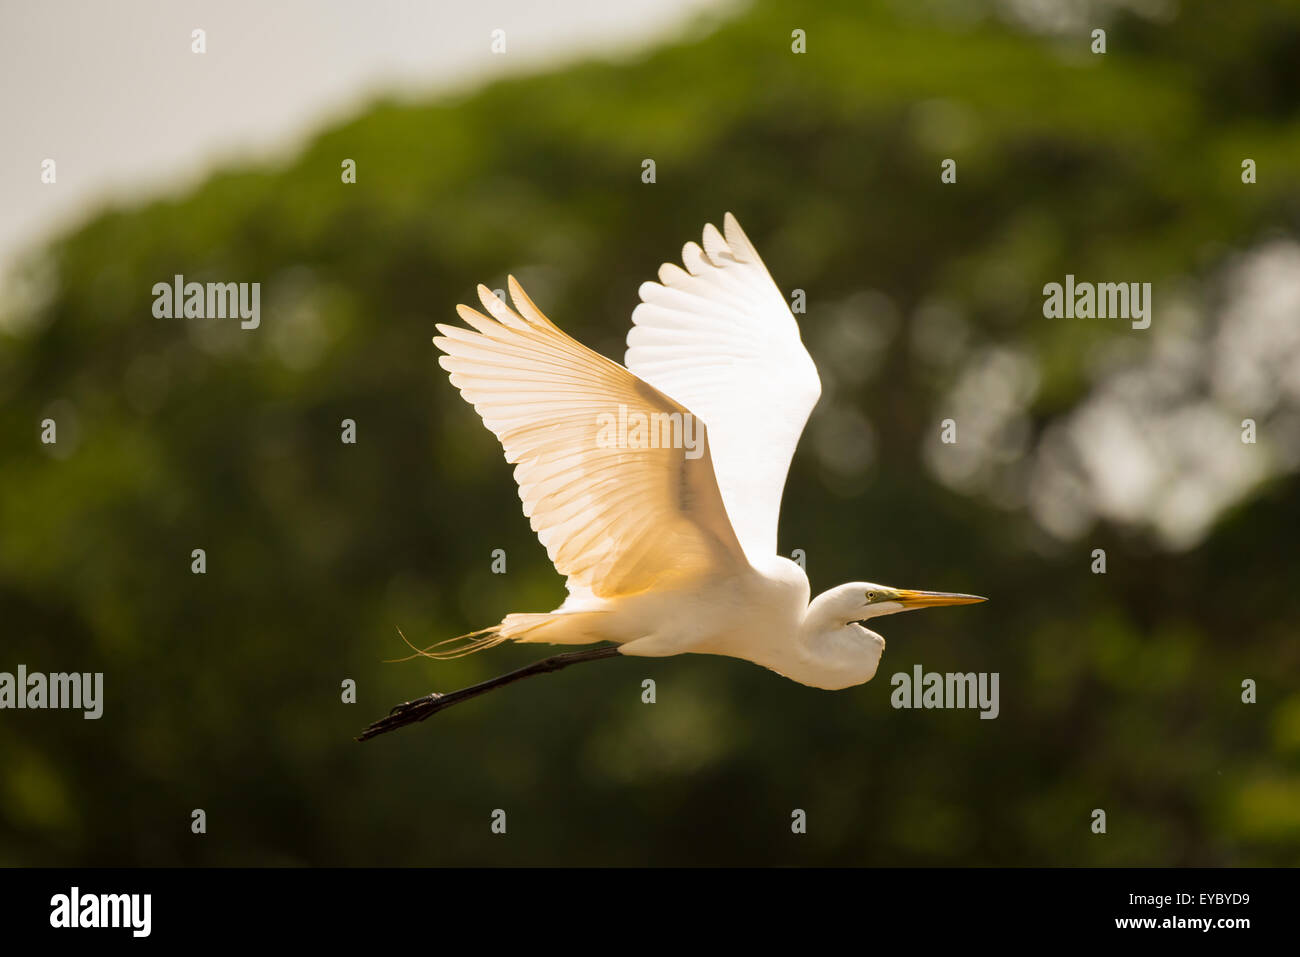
[[933, 599]]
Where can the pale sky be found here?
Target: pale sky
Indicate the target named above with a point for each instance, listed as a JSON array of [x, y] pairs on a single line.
[[113, 94]]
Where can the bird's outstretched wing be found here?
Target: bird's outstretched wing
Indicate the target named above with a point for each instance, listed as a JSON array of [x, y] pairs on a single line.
[[719, 337], [614, 519]]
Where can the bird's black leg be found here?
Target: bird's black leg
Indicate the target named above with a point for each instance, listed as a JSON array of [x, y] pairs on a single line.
[[410, 712]]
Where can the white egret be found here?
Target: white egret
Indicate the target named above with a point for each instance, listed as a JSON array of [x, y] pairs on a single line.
[[655, 487]]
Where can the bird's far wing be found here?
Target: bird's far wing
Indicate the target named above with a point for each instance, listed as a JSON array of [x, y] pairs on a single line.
[[616, 517], [719, 338]]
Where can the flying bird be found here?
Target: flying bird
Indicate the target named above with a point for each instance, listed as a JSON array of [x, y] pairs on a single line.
[[655, 486]]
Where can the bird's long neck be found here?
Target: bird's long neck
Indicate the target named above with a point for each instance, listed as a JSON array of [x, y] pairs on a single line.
[[822, 612], [838, 652]]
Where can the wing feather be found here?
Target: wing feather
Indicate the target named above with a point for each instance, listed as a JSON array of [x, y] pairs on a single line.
[[614, 520], [719, 338]]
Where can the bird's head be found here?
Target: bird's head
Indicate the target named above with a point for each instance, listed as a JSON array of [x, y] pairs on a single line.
[[859, 601], [841, 652]]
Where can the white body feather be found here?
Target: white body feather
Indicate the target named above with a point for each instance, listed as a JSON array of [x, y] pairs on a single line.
[[666, 553]]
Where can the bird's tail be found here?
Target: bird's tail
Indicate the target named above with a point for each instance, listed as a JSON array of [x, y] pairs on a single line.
[[556, 628]]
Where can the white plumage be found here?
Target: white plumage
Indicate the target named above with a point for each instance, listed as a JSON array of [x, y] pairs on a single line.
[[719, 338], [666, 549]]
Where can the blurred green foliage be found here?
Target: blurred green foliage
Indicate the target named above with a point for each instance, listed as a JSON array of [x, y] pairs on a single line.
[[223, 691]]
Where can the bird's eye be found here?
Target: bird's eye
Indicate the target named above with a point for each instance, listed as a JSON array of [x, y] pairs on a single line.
[[871, 596]]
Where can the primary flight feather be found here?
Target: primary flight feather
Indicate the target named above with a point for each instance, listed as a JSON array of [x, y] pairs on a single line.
[[665, 532]]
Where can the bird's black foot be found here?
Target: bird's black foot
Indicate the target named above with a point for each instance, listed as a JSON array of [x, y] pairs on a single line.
[[415, 703]]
